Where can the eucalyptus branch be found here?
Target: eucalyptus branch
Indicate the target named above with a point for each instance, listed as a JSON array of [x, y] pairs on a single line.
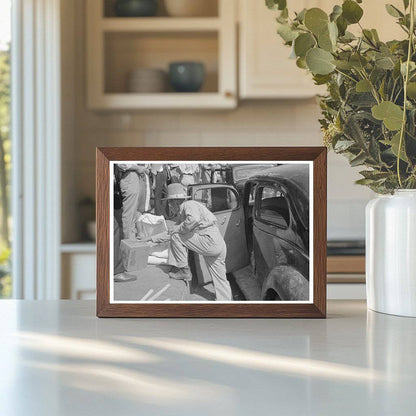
[[346, 75], [405, 81], [373, 89], [398, 95], [392, 90], [365, 62]]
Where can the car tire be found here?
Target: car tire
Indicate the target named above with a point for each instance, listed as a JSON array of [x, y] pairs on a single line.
[[285, 283]]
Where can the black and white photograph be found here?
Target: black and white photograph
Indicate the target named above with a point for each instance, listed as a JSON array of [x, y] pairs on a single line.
[[211, 231]]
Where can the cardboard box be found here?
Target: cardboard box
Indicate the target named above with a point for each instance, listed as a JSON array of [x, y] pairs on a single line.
[[149, 225], [134, 254]]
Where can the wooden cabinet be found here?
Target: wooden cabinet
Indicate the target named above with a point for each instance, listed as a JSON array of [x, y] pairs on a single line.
[[78, 263], [265, 70], [117, 45]]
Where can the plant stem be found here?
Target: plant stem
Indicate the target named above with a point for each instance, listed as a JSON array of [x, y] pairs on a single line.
[[406, 80], [373, 89], [345, 75]]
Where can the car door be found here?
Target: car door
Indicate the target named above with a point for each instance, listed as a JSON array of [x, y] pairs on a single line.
[[225, 203], [276, 237]]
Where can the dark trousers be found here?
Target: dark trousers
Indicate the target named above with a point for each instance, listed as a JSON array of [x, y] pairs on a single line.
[[160, 191]]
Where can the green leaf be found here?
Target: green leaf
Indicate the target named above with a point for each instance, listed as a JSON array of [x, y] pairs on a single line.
[[361, 99], [412, 67], [301, 63], [364, 181], [374, 150], [343, 145], [276, 4], [385, 63], [316, 20], [374, 175], [342, 25], [406, 4], [325, 42], [347, 37], [393, 11], [358, 160], [336, 12], [375, 35], [300, 17], [343, 65], [321, 79], [319, 61], [394, 144], [368, 36], [286, 32], [411, 90], [303, 43], [284, 13], [351, 11], [391, 114], [333, 32], [358, 61], [363, 86]]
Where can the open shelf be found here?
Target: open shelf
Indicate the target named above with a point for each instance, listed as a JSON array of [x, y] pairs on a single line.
[[116, 46], [160, 24], [130, 101], [127, 51]]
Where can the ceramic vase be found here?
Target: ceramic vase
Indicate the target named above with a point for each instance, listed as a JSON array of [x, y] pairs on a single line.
[[391, 253]]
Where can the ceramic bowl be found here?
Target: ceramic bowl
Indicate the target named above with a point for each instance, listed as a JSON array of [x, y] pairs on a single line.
[[135, 8], [147, 80], [186, 76]]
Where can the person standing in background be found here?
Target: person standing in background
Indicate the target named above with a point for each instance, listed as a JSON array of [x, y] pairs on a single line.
[[160, 182], [189, 174], [133, 183], [119, 272], [174, 173], [206, 172]]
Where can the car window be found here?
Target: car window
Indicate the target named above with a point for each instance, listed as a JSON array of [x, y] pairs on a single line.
[[217, 199], [274, 207]]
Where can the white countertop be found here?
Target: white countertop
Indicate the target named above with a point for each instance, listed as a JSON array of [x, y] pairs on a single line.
[[56, 358]]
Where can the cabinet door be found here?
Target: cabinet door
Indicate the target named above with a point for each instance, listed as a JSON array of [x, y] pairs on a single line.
[[265, 68]]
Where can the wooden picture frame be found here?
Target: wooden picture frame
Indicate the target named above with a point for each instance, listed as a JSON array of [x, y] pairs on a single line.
[[315, 307]]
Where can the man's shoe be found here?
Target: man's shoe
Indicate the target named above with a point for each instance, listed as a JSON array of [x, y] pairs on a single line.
[[125, 277], [182, 274]]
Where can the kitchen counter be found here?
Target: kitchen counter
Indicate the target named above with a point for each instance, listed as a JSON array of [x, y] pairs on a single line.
[[58, 359]]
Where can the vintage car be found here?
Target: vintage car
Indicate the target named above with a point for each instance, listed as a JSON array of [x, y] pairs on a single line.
[[265, 227]]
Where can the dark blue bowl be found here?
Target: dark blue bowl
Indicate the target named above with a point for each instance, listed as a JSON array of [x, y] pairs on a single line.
[[136, 8], [186, 76]]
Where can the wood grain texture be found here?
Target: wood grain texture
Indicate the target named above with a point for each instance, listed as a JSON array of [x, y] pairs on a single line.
[[317, 309], [346, 264]]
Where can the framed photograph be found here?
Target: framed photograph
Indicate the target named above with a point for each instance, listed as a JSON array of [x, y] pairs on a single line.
[[211, 232]]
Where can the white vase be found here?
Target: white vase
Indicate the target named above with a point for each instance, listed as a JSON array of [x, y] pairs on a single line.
[[391, 253]]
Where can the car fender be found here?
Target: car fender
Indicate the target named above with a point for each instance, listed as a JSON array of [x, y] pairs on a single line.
[[287, 282]]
